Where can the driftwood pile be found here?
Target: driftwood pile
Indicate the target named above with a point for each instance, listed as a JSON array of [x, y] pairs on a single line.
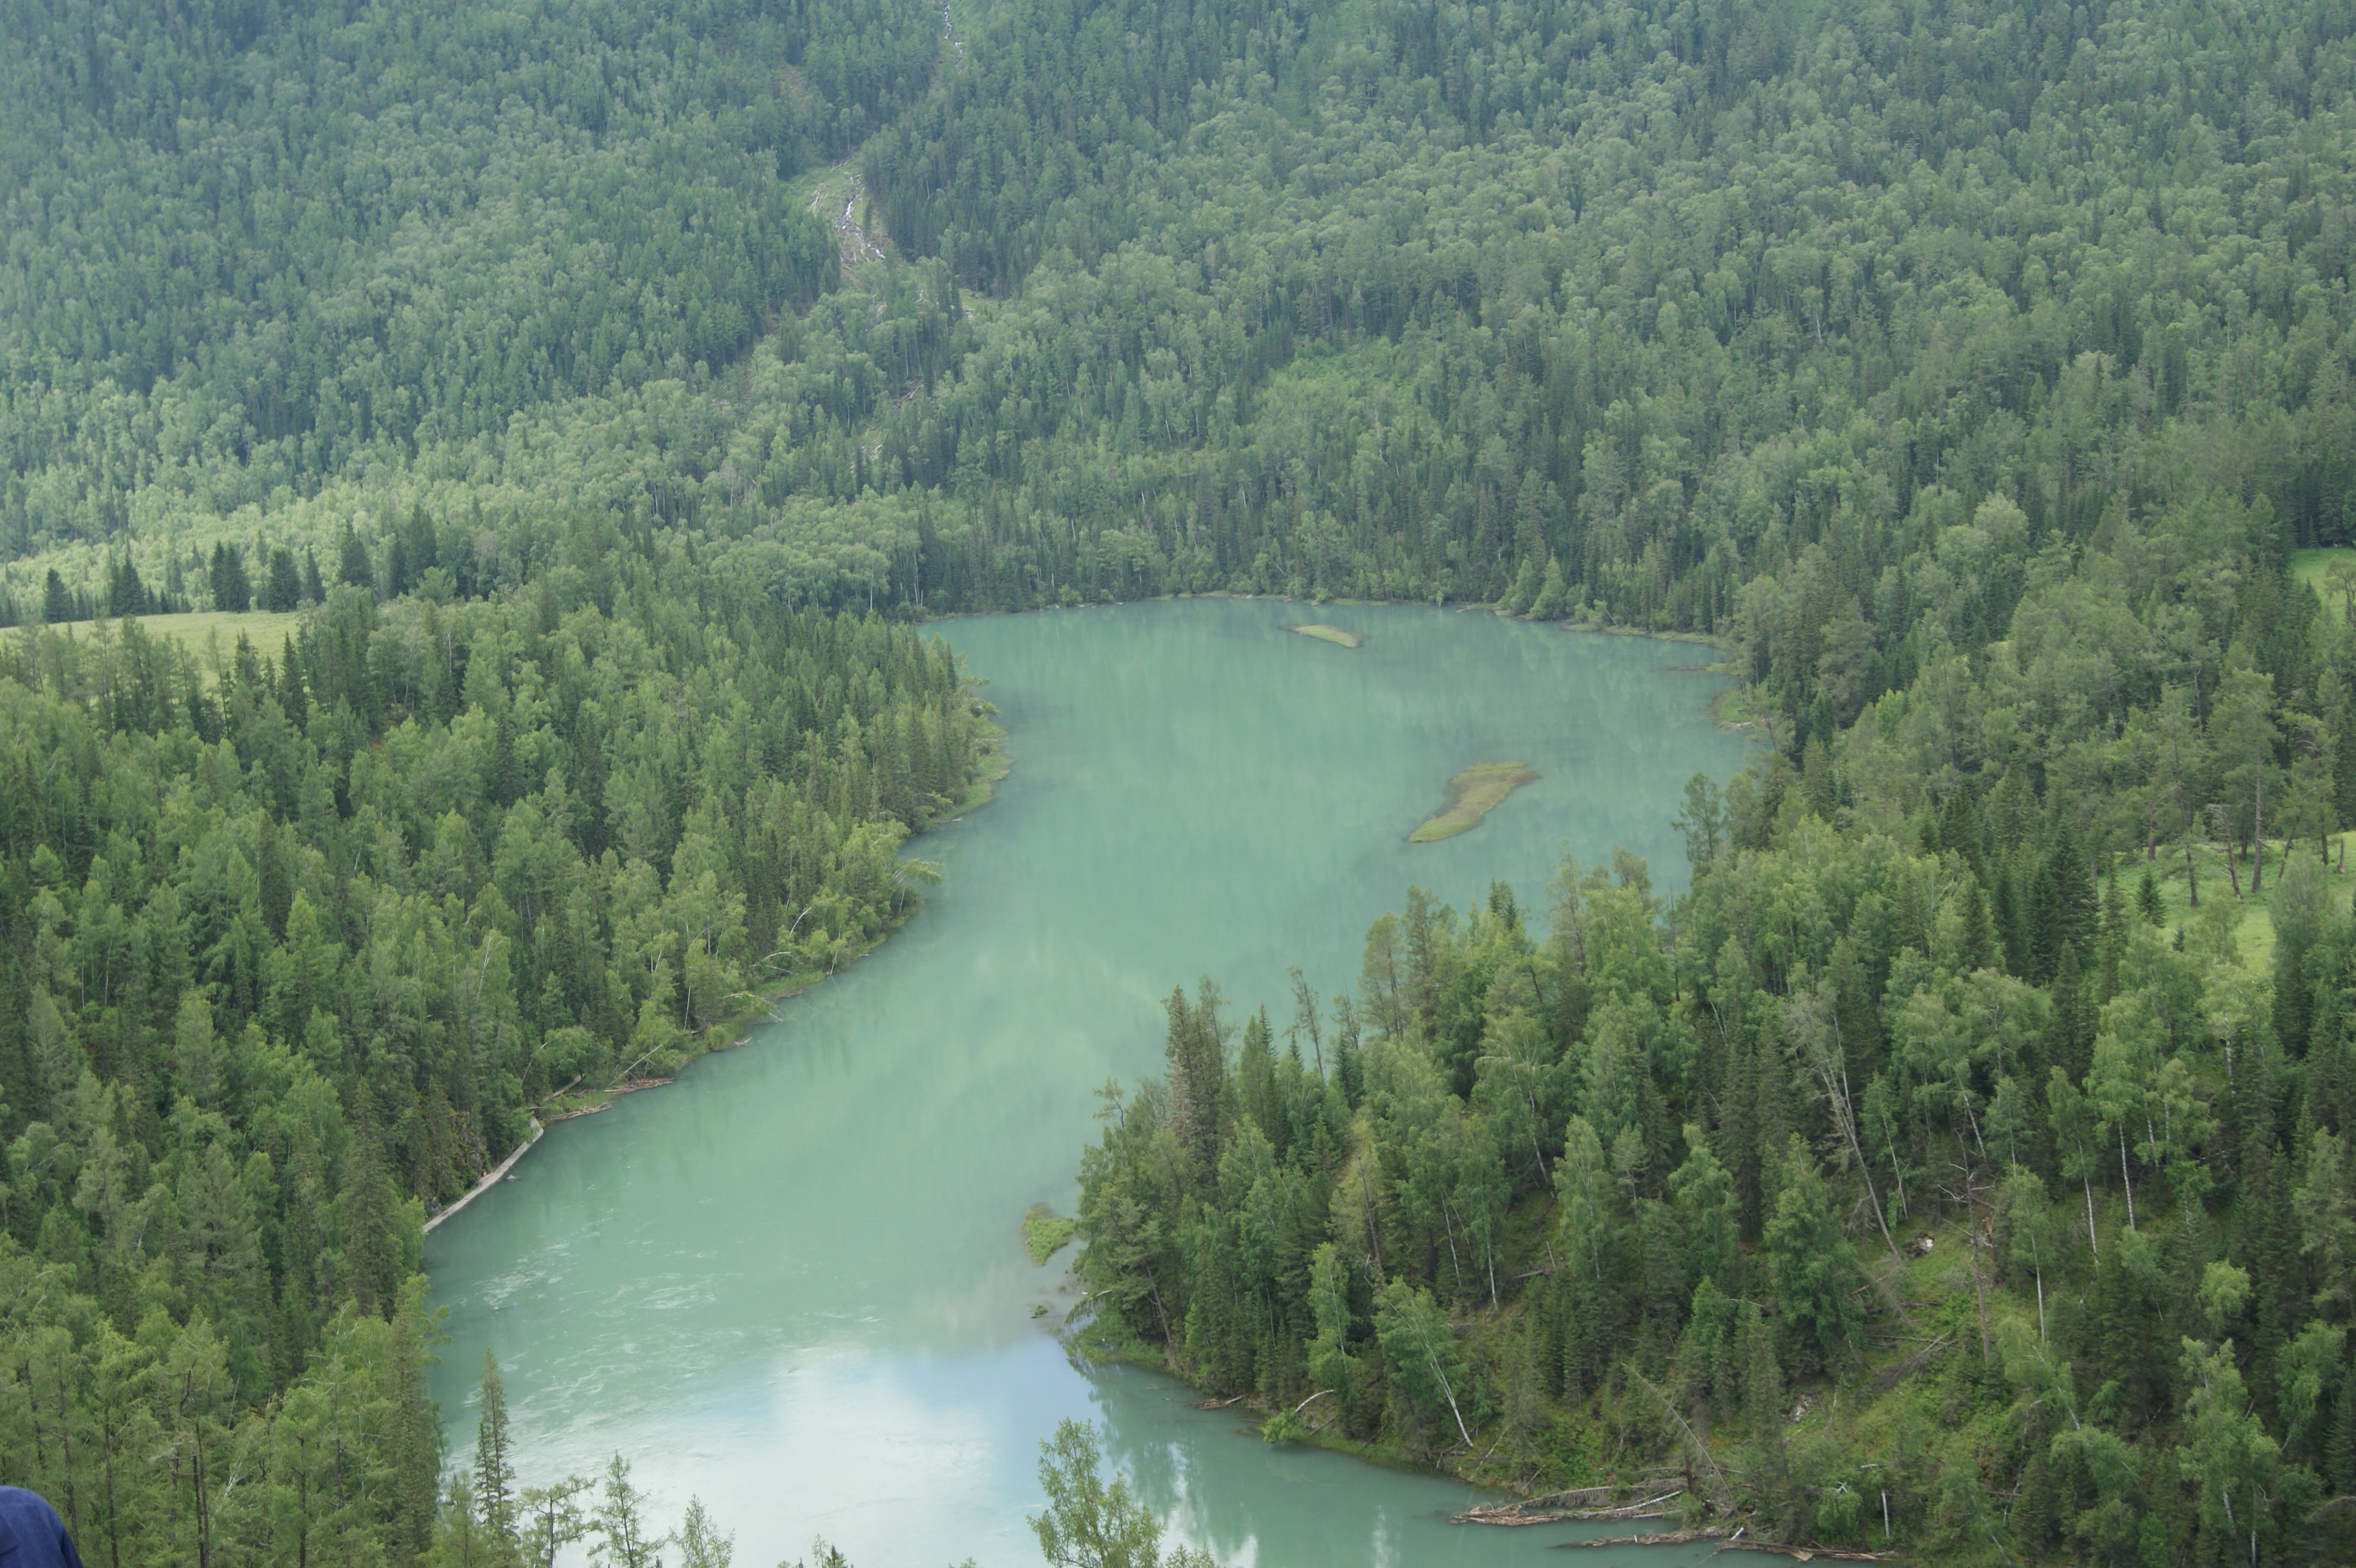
[[1735, 1541], [1589, 1504], [1553, 1509], [1646, 1496]]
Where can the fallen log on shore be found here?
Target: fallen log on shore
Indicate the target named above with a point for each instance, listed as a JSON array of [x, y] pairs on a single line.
[[1538, 1510], [1734, 1542], [1604, 1489], [1809, 1553]]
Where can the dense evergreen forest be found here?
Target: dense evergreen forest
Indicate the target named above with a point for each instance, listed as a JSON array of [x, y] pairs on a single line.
[[1962, 1164], [298, 942], [583, 378], [1601, 310]]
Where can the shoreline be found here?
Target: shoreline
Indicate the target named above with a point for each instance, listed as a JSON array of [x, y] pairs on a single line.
[[490, 1178], [1567, 623], [1719, 702], [557, 1107], [1145, 1358]]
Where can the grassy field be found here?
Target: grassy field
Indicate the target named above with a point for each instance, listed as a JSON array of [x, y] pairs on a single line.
[[203, 630], [1471, 795], [2313, 567], [2252, 933], [1333, 634]]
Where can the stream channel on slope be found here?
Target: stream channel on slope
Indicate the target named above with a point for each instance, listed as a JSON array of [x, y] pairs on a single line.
[[792, 1282]]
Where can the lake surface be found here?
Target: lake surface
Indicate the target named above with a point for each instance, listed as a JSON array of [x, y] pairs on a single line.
[[792, 1282]]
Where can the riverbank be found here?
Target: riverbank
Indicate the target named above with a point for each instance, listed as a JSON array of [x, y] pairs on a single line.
[[1091, 1345], [811, 1251], [490, 1178], [1730, 710], [730, 1033], [1588, 621]]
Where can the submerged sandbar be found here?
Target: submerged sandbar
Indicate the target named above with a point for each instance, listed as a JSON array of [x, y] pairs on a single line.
[[1333, 634], [1471, 795]]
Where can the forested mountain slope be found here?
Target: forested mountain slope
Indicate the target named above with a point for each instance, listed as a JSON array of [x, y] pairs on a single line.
[[297, 943], [1414, 300], [1402, 300], [250, 249], [1973, 371], [1971, 1137]]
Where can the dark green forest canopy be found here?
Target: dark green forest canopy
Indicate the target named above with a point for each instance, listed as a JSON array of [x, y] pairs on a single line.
[[1374, 299], [298, 944], [1820, 1200], [583, 377]]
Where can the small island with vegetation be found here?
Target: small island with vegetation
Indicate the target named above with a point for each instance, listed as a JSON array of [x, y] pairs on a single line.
[[1473, 795], [1333, 634], [1045, 1232]]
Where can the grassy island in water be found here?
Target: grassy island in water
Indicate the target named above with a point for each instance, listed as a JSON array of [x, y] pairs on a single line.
[[1473, 795]]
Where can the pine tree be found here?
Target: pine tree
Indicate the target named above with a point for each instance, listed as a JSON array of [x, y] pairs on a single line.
[[1763, 1401], [413, 1441], [494, 1501], [1522, 591], [274, 883], [352, 565], [285, 592], [369, 1249], [1979, 930], [1197, 1057], [2114, 937], [2075, 1015], [1815, 1266], [2005, 914], [553, 1519], [1816, 783], [2035, 1518], [700, 1543], [1554, 599], [2340, 1455], [1959, 829], [2279, 1275], [1256, 1080], [620, 1521], [126, 594], [231, 591]]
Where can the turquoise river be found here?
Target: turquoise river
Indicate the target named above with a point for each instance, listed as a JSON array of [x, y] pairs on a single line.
[[791, 1283]]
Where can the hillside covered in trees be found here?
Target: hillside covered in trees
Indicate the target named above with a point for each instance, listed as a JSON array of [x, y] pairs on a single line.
[[1961, 1164], [300, 940], [583, 377], [1601, 310]]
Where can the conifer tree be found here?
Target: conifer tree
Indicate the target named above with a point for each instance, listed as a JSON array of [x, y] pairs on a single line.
[[494, 1474], [369, 1254], [625, 1539], [352, 563]]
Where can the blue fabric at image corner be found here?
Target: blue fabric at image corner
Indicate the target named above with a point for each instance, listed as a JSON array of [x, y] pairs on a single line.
[[31, 1534]]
